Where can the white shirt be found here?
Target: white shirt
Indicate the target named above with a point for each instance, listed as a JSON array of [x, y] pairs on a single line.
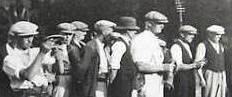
[[19, 60], [9, 49], [103, 65], [118, 50], [176, 52], [145, 47], [201, 50]]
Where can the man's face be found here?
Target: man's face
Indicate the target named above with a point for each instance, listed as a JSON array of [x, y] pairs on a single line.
[[80, 36], [215, 37], [68, 37], [25, 42], [189, 37], [106, 30], [131, 33], [156, 28]]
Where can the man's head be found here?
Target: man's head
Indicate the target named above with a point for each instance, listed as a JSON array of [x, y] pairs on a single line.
[[187, 32], [67, 30], [80, 31], [155, 21], [127, 25], [104, 27], [215, 32], [23, 34]]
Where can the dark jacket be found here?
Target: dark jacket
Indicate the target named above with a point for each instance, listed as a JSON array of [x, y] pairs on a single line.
[[89, 69], [5, 89]]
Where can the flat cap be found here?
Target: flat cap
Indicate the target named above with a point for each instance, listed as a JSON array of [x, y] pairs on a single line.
[[80, 26], [23, 28], [216, 29], [55, 36], [104, 23], [156, 17], [188, 29], [66, 28]]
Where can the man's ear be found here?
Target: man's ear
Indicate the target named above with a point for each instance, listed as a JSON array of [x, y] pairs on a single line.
[[148, 24], [182, 34]]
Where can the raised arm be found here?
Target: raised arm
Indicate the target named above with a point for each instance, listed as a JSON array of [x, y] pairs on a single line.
[[36, 65]]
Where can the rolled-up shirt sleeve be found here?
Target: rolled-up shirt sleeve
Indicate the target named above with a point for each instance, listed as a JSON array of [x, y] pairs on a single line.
[[118, 50], [176, 53], [200, 52]]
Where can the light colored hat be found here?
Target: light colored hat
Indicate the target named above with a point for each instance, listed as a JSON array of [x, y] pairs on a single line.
[[188, 29], [66, 28], [216, 29], [105, 23], [156, 17], [23, 28], [80, 26], [55, 36]]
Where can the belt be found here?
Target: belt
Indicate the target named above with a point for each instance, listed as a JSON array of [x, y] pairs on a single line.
[[36, 91], [102, 79], [66, 72]]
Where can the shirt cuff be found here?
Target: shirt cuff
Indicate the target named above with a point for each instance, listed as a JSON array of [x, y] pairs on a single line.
[[39, 80], [17, 71]]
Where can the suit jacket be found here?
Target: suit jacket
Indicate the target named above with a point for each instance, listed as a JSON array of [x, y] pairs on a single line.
[[89, 68]]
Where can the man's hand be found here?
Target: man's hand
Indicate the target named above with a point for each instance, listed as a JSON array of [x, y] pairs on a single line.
[[46, 46], [203, 83], [169, 67], [200, 64], [113, 75]]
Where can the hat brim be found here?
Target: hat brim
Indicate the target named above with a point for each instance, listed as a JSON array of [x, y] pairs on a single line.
[[189, 32], [85, 29], [127, 28], [67, 31], [159, 21], [80, 33], [219, 33], [55, 36], [162, 22], [28, 34]]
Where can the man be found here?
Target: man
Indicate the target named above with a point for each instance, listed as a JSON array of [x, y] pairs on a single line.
[[123, 69], [24, 65], [184, 80], [77, 42], [212, 50], [63, 53], [148, 56], [94, 64]]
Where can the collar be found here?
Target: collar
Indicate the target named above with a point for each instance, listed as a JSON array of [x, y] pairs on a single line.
[[9, 48], [19, 51], [126, 39], [213, 43], [150, 34]]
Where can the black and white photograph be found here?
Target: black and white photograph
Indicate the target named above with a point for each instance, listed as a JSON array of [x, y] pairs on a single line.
[[115, 48]]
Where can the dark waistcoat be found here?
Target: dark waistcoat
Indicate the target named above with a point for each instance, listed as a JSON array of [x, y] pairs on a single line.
[[216, 61]]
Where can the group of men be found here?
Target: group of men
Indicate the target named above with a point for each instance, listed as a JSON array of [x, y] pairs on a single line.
[[119, 61]]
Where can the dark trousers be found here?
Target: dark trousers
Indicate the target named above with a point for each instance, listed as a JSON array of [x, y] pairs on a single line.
[[5, 89], [184, 84], [122, 85]]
